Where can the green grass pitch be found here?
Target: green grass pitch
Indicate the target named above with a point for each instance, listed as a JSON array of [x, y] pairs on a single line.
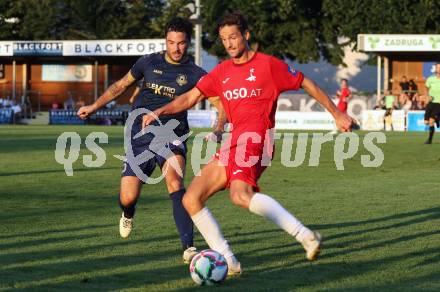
[[381, 226]]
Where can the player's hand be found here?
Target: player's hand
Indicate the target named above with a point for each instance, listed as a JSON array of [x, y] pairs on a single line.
[[85, 111], [148, 119], [215, 136], [344, 122]]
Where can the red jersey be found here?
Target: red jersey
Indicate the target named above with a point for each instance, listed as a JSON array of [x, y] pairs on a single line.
[[249, 94], [345, 92], [343, 102], [249, 91]]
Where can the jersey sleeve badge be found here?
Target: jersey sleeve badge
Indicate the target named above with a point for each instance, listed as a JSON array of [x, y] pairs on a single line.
[[292, 71]]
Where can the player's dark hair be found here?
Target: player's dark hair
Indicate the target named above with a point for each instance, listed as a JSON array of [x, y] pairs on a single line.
[[344, 79], [235, 18], [179, 24]]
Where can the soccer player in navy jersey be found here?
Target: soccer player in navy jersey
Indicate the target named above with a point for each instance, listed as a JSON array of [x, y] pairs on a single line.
[[165, 75], [248, 84]]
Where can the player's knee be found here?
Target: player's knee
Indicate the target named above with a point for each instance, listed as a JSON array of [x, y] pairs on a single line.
[[190, 201], [186, 201], [240, 198], [127, 199], [174, 185]]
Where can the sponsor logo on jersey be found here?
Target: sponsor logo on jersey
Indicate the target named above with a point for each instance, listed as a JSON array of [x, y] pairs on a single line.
[[161, 89], [242, 92], [157, 71], [181, 79], [252, 77]]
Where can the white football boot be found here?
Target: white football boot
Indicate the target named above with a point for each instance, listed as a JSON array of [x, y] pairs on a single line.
[[125, 226], [234, 267], [188, 254], [312, 245]]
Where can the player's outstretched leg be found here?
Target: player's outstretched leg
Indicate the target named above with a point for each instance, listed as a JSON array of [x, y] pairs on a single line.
[[210, 230], [129, 193], [184, 224], [242, 194], [211, 180]]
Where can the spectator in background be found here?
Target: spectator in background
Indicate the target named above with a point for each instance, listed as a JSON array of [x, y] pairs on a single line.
[[404, 102], [424, 100], [419, 102], [80, 103], [404, 84], [412, 88], [55, 105], [416, 102], [390, 104], [15, 107], [69, 104]]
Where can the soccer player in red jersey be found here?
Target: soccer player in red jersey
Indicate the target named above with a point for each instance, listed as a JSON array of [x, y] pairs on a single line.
[[344, 94], [249, 84]]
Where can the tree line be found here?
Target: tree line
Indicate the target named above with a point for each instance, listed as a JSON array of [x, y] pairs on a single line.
[[297, 29]]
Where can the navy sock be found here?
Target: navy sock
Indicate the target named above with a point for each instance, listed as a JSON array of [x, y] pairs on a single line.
[[182, 219], [128, 210], [431, 132]]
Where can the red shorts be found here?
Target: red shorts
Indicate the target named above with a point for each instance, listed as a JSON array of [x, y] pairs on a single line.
[[246, 165], [342, 106]]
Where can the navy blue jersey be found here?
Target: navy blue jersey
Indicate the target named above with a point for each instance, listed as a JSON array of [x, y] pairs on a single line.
[[162, 82]]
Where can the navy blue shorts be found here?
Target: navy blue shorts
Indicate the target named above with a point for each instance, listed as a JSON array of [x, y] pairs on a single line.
[[154, 159]]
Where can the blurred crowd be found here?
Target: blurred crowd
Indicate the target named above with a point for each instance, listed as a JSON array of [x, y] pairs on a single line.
[[407, 98], [10, 104], [69, 104]]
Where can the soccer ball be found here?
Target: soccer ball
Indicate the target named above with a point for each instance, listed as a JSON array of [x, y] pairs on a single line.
[[208, 267]]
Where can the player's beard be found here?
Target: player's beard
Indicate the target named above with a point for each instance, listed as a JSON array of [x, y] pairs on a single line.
[[176, 56], [238, 55]]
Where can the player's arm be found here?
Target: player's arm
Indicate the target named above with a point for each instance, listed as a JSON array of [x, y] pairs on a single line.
[[133, 96], [181, 103], [113, 92], [343, 121], [221, 119], [427, 86]]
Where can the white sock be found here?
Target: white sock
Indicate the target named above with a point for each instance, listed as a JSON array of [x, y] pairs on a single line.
[[210, 230], [267, 207]]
